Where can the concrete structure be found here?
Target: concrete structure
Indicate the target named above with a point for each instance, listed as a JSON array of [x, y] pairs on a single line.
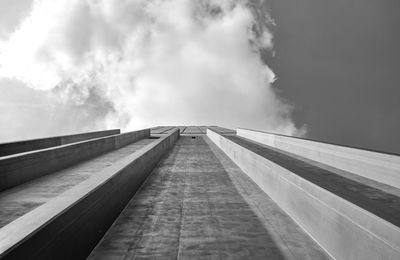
[[199, 192]]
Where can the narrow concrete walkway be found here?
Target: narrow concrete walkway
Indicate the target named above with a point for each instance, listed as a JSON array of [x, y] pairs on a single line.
[[19, 200], [382, 203], [197, 204]]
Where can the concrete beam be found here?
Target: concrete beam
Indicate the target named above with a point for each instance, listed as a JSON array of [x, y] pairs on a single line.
[[69, 226], [381, 167], [343, 229], [42, 143], [19, 168]]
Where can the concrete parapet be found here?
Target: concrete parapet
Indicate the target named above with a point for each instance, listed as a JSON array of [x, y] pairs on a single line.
[[19, 168], [381, 167], [343, 229], [42, 143], [69, 226]]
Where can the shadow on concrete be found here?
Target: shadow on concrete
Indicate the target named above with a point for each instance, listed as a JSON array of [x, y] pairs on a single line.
[[376, 201], [189, 208]]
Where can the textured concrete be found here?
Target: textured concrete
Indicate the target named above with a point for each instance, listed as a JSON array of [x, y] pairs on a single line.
[[70, 225], [19, 168], [19, 200], [184, 130], [314, 198], [189, 130], [36, 144], [381, 167], [197, 204]]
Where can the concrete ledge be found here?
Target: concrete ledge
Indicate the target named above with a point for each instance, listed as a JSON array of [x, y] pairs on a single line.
[[36, 144], [69, 226], [343, 229], [19, 168], [381, 167]]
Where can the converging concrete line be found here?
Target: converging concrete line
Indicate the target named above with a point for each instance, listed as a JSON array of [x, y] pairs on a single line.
[[377, 166], [42, 143], [17, 201], [20, 168], [70, 225], [166, 130], [189, 208], [348, 219]]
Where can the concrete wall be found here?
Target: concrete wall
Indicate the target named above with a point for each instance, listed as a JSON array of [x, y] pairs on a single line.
[[19, 168], [69, 226], [343, 229], [36, 144], [381, 167]]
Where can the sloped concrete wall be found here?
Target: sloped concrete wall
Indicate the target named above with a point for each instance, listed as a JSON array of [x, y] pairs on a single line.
[[70, 226], [381, 167], [19, 168], [343, 229], [42, 143]]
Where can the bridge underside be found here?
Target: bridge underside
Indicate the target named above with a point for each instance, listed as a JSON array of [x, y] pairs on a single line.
[[191, 192]]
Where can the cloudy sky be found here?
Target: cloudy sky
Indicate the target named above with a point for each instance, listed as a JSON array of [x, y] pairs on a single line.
[[326, 70]]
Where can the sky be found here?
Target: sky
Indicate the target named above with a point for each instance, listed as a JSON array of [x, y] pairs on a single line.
[[320, 69], [338, 63]]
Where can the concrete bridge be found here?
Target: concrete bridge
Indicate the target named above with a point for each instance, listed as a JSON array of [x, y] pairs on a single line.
[[196, 192]]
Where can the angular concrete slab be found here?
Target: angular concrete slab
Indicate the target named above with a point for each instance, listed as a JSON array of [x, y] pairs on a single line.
[[19, 200], [197, 204], [19, 168], [69, 226], [42, 143], [312, 197], [378, 166]]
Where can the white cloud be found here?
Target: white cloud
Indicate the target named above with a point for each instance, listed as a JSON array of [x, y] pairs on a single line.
[[156, 62]]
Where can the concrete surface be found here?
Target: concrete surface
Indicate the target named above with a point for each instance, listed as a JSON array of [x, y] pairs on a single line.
[[19, 168], [381, 167], [197, 204], [19, 200], [342, 228], [70, 225], [36, 144], [189, 130]]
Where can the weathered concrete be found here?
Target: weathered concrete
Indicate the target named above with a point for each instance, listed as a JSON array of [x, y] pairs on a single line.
[[381, 167], [344, 229], [19, 200], [42, 143], [70, 225], [221, 130], [19, 168], [197, 204], [189, 130]]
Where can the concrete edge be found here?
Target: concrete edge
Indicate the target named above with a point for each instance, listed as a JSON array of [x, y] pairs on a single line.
[[320, 141], [380, 167], [41, 143], [70, 225], [20, 168], [343, 229]]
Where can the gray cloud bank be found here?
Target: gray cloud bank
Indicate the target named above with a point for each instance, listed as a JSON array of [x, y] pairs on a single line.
[[135, 64]]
